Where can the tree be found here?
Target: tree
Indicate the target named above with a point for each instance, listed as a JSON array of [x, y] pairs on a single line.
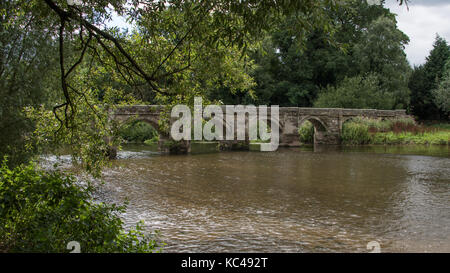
[[357, 92], [441, 95], [418, 83], [288, 74], [381, 51], [27, 72], [426, 78], [214, 22]]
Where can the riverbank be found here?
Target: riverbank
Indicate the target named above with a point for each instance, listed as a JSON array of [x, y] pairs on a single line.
[[405, 138], [404, 131]]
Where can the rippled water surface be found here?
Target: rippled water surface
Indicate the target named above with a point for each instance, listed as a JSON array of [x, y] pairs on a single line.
[[287, 201]]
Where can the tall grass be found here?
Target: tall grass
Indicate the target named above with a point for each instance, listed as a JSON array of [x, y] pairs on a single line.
[[429, 138], [380, 125], [355, 133], [395, 131]]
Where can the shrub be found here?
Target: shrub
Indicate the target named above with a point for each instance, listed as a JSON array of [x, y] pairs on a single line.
[[153, 140], [355, 133], [441, 126], [306, 132], [357, 92], [42, 211]]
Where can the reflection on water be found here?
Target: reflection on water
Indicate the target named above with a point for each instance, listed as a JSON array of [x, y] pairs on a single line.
[[288, 201]]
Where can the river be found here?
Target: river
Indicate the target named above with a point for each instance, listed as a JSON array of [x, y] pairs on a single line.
[[321, 199], [292, 200]]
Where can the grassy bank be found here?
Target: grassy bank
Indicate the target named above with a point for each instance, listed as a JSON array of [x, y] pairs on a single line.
[[361, 131], [393, 132], [434, 138]]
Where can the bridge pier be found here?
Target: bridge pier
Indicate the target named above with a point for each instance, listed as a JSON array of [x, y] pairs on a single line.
[[328, 133], [326, 138]]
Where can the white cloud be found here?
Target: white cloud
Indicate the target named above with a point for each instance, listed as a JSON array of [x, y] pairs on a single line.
[[421, 23]]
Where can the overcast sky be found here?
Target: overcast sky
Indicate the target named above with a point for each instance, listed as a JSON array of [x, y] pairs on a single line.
[[424, 19]]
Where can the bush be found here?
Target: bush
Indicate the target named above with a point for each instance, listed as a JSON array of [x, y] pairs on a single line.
[[306, 132], [441, 126], [153, 140], [355, 133], [357, 92], [137, 131], [441, 95], [42, 211]]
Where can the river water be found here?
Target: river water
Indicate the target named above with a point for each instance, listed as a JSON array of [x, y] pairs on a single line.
[[292, 200]]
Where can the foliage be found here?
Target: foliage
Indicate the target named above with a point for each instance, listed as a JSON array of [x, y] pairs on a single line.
[[442, 93], [137, 131], [426, 78], [357, 92], [152, 141], [418, 84], [381, 52], [168, 37], [384, 125], [26, 52], [355, 133], [306, 132], [290, 74], [42, 211], [381, 68], [443, 126], [426, 138], [392, 131], [90, 136]]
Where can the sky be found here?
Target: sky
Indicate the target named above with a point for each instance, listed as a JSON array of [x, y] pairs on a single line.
[[423, 20]]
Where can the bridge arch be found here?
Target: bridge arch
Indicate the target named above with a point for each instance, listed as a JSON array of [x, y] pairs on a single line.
[[135, 129], [319, 125], [124, 120], [319, 130]]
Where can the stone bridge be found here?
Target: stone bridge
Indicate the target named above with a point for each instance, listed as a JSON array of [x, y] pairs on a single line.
[[327, 121]]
